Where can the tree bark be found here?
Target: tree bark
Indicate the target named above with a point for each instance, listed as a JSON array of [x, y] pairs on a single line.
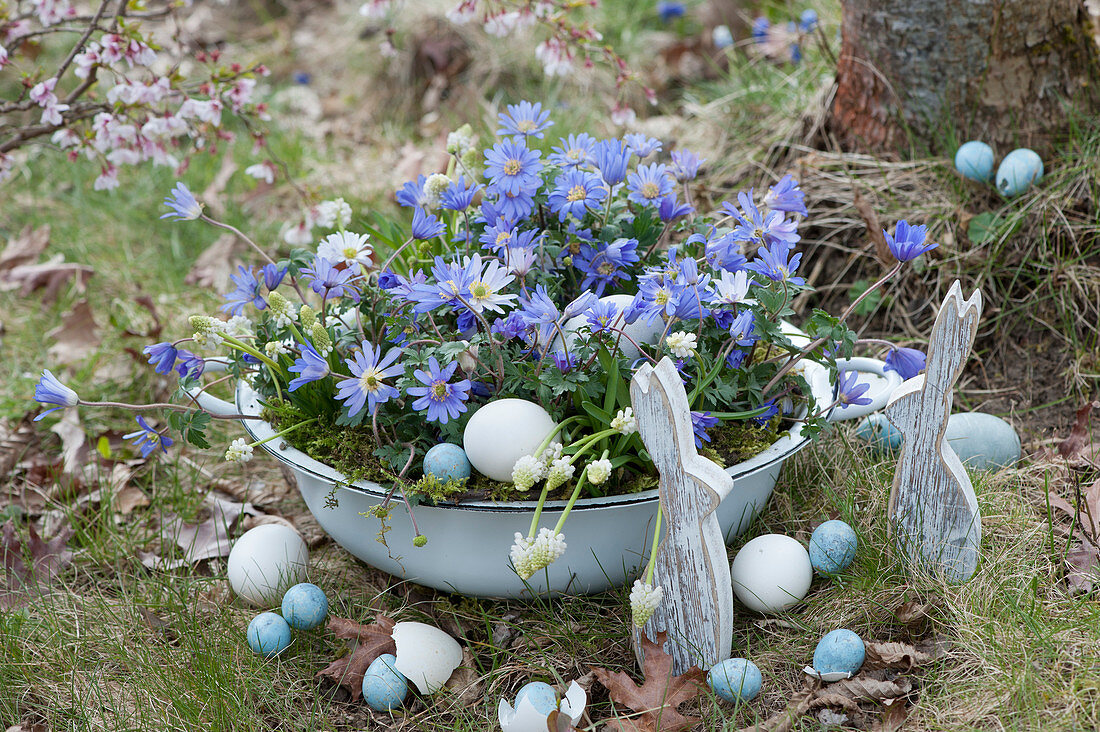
[[930, 73]]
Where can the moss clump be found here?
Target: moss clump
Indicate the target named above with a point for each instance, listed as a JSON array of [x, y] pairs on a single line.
[[435, 490], [735, 442], [348, 449]]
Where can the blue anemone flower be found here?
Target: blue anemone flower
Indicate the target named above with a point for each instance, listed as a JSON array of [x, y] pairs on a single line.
[[685, 165], [649, 185], [574, 151], [611, 158], [850, 391], [412, 193], [907, 362], [459, 195], [246, 293], [183, 204], [907, 243], [786, 196], [700, 423], [162, 356], [443, 400], [148, 439], [190, 365], [575, 192], [369, 368], [311, 365], [425, 225], [513, 168], [774, 264], [525, 120], [49, 390], [328, 281], [642, 145]]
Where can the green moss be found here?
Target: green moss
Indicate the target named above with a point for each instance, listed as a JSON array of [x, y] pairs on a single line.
[[348, 449], [735, 442], [436, 490]]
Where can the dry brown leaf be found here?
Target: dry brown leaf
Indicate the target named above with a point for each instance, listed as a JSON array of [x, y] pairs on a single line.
[[28, 728], [658, 698], [1071, 447], [1084, 568], [214, 266], [50, 276], [211, 537], [893, 717], [893, 655], [912, 612], [25, 248], [76, 337], [784, 720], [865, 687], [74, 446], [212, 194], [825, 699], [371, 642], [129, 498], [874, 228], [465, 684], [48, 558]]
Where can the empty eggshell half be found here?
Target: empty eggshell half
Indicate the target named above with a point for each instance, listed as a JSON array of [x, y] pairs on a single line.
[[426, 656]]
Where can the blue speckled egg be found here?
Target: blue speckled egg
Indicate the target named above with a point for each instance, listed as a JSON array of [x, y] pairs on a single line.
[[876, 429], [268, 634], [840, 651], [833, 547], [974, 160], [447, 461], [543, 697], [735, 680], [384, 687], [982, 441], [305, 606], [1019, 170]]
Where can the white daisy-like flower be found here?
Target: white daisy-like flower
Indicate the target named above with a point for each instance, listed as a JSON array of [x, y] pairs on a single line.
[[346, 247], [624, 422], [732, 287], [527, 471], [599, 471], [531, 555], [434, 187], [644, 599], [682, 344], [239, 451], [334, 214], [559, 472]]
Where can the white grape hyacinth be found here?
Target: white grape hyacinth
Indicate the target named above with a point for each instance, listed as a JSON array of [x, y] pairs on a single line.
[[559, 472], [682, 344], [527, 471], [239, 451], [644, 599], [624, 422], [530, 555], [599, 471]]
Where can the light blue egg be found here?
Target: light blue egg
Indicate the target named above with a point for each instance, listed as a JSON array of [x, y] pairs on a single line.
[[735, 680], [840, 651], [983, 441], [833, 547], [268, 634], [876, 429], [384, 687], [447, 461], [1019, 170], [542, 696], [305, 606], [974, 160], [721, 36]]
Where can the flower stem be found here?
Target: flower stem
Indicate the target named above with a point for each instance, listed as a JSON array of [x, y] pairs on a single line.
[[572, 499], [653, 550], [280, 433]]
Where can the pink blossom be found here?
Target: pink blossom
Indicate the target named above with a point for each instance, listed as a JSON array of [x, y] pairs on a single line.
[[52, 12], [300, 234], [206, 111], [66, 138], [375, 8], [6, 165], [139, 54], [264, 171], [3, 57], [556, 57], [111, 50], [240, 93], [15, 31], [463, 13], [85, 61], [502, 24], [107, 180], [622, 115]]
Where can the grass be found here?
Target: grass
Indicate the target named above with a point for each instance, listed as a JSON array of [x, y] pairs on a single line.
[[118, 646]]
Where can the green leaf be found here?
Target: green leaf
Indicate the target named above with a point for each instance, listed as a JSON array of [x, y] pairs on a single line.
[[987, 227]]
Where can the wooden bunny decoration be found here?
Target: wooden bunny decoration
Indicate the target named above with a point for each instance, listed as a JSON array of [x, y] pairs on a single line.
[[933, 511], [692, 566]]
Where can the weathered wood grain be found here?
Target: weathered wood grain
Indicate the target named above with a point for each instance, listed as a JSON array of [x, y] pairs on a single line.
[[691, 567], [933, 510]]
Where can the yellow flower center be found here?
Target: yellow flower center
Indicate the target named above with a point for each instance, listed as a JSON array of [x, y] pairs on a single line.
[[525, 125], [650, 190], [576, 193], [480, 290], [439, 391], [512, 167], [369, 381], [350, 252]]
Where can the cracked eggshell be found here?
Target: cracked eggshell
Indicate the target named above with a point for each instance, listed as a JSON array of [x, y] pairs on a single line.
[[525, 717], [639, 330], [576, 698], [426, 656]]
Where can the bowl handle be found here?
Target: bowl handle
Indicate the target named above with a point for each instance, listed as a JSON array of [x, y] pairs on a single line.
[[209, 402], [880, 390]]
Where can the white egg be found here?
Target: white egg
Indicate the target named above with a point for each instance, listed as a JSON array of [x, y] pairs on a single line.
[[265, 562], [771, 573], [638, 331], [426, 656], [502, 432]]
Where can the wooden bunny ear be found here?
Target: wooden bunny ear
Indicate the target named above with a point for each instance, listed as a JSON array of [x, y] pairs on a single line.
[[953, 334]]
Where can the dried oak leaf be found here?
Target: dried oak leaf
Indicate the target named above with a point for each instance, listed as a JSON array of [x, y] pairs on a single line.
[[657, 699], [893, 655], [48, 558], [214, 266], [76, 337], [893, 717], [25, 248], [785, 719], [50, 276], [210, 538], [865, 687], [1071, 447], [874, 228], [371, 641]]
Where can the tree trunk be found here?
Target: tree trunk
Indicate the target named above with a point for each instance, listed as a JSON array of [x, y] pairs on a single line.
[[922, 72]]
